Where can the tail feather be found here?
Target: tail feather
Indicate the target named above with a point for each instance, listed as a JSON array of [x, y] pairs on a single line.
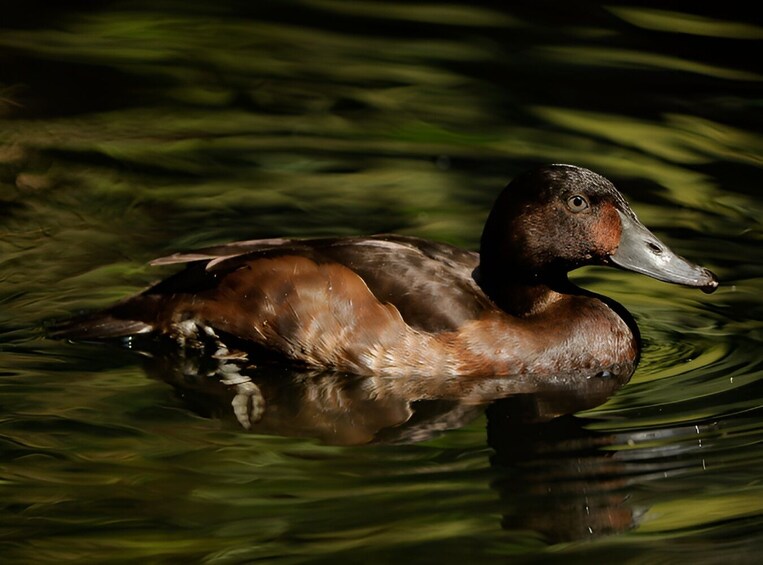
[[99, 325]]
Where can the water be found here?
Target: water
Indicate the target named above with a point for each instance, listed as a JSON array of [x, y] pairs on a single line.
[[133, 130]]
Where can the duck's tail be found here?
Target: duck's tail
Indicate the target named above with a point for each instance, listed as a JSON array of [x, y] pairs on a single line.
[[132, 316], [96, 327], [102, 325]]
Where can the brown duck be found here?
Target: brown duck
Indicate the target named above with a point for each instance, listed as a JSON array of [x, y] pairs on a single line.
[[396, 305]]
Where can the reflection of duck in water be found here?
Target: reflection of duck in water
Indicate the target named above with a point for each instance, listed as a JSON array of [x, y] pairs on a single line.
[[393, 305], [342, 409], [558, 478], [553, 476]]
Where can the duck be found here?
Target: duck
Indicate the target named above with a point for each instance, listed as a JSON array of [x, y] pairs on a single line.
[[396, 305]]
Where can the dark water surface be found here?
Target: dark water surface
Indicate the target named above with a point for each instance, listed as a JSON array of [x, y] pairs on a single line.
[[129, 130]]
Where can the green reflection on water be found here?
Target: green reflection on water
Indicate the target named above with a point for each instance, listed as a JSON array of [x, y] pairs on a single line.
[[451, 14], [622, 58], [683, 22], [677, 515]]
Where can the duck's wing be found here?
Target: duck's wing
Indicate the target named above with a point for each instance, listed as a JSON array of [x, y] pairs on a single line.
[[431, 284]]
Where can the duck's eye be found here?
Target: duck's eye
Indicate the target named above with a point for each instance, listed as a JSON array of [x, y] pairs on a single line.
[[577, 203]]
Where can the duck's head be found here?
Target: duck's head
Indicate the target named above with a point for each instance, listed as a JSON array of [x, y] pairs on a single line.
[[559, 217]]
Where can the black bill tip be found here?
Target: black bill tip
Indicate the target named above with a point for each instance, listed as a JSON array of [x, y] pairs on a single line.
[[711, 282]]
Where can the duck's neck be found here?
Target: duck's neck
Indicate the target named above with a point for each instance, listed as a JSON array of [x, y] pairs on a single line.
[[525, 296]]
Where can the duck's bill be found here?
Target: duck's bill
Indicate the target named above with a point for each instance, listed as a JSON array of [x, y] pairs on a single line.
[[641, 251]]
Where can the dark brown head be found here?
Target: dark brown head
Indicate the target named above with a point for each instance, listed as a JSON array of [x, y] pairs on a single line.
[[556, 218]]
